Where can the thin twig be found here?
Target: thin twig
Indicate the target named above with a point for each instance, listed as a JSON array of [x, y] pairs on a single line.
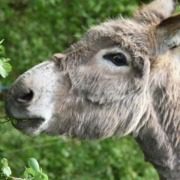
[[15, 178], [2, 122]]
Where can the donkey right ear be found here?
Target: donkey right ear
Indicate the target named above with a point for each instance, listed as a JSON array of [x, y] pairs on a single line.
[[168, 34]]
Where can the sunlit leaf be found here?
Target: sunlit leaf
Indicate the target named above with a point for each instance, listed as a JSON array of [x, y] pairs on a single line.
[[5, 68], [6, 171], [32, 162]]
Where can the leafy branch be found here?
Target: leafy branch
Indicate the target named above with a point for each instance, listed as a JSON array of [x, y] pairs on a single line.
[[31, 172]]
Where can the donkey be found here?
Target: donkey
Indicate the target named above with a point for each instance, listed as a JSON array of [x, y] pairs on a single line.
[[121, 78]]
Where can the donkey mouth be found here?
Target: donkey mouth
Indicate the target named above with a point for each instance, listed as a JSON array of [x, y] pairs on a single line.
[[28, 123]]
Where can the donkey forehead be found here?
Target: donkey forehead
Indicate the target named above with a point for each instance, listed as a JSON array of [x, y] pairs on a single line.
[[125, 26], [127, 34]]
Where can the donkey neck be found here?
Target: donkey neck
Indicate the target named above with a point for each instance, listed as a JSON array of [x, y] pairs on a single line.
[[160, 137]]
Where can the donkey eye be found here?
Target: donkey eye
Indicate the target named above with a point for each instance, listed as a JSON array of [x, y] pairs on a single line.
[[118, 59]]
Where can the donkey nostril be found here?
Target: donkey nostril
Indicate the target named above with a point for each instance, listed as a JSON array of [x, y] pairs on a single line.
[[26, 97]]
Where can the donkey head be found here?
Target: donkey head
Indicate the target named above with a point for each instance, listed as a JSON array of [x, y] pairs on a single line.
[[101, 85]]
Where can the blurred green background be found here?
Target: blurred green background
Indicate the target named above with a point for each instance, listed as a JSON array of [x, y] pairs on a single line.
[[32, 31]]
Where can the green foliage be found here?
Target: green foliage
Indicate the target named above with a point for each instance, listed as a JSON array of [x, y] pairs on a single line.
[[33, 31], [32, 172], [5, 67], [67, 159]]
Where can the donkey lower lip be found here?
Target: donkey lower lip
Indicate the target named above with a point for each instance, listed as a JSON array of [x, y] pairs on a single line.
[[27, 123]]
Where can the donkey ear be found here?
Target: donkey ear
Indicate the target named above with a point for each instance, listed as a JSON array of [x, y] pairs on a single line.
[[156, 11], [168, 34]]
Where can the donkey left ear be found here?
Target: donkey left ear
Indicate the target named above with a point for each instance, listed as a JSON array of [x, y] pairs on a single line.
[[156, 11], [168, 34]]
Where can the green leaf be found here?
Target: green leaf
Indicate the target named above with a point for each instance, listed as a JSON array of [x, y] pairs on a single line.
[[5, 68], [40, 176], [29, 172], [33, 163], [4, 59], [6, 171], [4, 162], [2, 50], [45, 177], [1, 41]]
